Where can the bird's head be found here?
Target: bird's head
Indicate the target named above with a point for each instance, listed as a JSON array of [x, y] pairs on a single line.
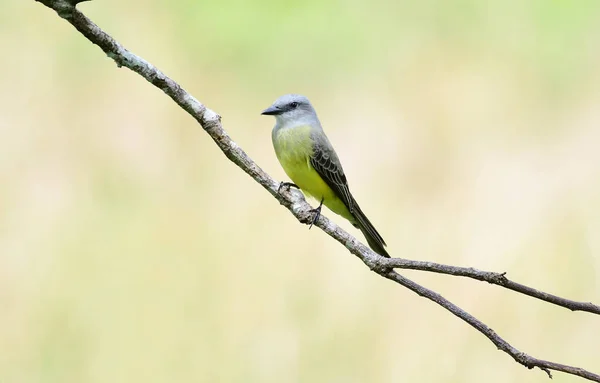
[[291, 108]]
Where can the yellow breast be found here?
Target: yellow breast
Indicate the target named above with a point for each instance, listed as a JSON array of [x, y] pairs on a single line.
[[294, 148]]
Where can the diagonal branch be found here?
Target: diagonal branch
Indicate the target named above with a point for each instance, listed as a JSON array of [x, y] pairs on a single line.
[[520, 357], [294, 201]]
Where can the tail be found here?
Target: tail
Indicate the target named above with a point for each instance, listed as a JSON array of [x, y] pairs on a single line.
[[373, 238]]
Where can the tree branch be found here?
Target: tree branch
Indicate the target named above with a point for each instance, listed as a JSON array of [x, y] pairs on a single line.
[[294, 201], [491, 277], [520, 357]]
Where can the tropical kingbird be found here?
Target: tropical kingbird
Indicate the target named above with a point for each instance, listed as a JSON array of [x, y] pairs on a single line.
[[308, 158]]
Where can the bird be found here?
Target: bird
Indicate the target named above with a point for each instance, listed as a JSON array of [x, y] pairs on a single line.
[[308, 158]]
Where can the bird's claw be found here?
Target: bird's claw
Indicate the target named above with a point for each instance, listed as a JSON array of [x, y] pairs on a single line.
[[286, 185], [317, 213]]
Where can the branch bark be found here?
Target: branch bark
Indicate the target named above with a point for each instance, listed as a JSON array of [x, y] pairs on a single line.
[[294, 201]]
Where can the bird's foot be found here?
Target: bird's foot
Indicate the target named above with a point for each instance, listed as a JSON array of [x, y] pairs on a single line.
[[286, 185], [317, 213]]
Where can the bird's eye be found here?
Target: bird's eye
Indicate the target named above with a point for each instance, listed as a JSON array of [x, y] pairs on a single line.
[[294, 105]]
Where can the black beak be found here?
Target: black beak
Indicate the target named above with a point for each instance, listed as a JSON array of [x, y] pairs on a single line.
[[272, 111]]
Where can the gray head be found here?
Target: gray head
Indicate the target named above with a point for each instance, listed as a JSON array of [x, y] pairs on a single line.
[[292, 108]]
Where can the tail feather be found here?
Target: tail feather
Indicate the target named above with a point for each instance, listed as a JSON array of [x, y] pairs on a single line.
[[373, 238]]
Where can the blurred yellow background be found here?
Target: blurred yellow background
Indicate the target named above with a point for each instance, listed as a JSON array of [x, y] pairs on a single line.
[[132, 250]]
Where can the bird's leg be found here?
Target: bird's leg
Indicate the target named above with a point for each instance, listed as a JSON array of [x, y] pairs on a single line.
[[317, 212], [286, 185]]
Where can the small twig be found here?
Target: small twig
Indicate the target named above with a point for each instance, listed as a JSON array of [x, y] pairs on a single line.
[[493, 278], [293, 200]]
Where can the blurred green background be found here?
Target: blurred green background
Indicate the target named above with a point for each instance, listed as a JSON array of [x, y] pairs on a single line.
[[132, 250]]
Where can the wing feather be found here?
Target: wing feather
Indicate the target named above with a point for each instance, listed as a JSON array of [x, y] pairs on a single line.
[[332, 173], [325, 162]]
